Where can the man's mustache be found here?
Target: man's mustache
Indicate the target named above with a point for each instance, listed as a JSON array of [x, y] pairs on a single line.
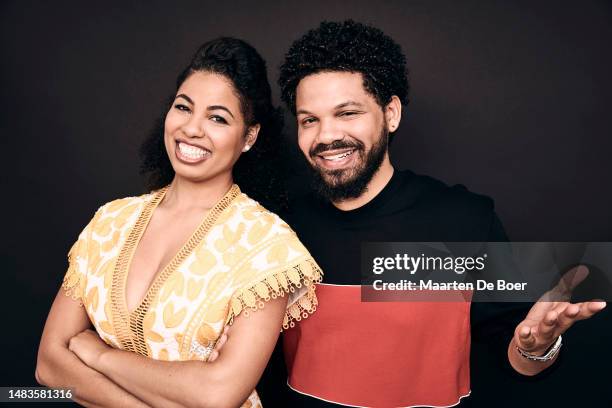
[[335, 145]]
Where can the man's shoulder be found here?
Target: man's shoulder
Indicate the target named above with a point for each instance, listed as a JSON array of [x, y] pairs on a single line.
[[436, 195], [453, 209], [305, 201], [413, 194]]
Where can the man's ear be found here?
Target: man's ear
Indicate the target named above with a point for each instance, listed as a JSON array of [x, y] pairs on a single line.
[[251, 137], [393, 113]]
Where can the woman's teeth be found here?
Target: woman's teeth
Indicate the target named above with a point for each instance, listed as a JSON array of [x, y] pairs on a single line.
[[192, 152], [338, 156]]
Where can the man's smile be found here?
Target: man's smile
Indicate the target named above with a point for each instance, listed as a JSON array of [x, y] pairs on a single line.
[[335, 159]]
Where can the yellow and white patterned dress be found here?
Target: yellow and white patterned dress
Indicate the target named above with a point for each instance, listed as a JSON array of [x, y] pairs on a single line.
[[240, 256]]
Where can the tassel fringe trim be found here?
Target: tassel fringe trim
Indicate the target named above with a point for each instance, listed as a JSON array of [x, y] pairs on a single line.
[[73, 283], [305, 274]]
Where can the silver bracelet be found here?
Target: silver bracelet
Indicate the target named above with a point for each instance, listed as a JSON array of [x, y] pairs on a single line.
[[550, 354]]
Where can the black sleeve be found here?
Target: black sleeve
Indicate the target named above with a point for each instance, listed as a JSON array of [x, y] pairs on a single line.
[[496, 320], [492, 328]]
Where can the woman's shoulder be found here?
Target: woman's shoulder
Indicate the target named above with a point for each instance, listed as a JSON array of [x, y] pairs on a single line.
[[251, 212], [275, 263], [123, 207]]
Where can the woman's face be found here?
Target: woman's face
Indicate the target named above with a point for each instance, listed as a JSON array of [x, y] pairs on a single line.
[[204, 131]]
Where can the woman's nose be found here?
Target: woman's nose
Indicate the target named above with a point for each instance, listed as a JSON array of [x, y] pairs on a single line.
[[194, 127]]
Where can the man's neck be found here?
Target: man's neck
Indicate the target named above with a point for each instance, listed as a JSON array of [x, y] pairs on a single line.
[[380, 179]]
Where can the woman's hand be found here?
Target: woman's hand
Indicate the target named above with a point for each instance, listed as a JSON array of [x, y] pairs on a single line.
[[58, 367], [88, 347], [228, 381]]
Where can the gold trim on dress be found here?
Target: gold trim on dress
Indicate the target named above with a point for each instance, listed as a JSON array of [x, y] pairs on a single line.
[[279, 283], [129, 325], [75, 280]]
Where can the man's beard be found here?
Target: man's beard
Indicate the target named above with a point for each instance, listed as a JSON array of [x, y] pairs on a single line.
[[344, 184]]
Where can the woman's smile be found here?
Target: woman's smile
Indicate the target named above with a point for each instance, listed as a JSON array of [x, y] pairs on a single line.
[[191, 154]]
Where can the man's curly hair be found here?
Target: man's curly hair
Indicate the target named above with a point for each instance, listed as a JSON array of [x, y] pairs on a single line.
[[347, 46]]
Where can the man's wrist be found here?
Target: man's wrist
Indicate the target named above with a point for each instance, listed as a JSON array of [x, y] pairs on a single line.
[[546, 355], [541, 351]]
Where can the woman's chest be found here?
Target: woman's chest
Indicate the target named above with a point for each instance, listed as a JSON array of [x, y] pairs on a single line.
[[178, 314], [143, 294], [180, 317], [161, 242]]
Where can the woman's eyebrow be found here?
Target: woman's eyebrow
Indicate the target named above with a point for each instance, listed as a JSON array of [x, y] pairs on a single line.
[[209, 108], [215, 107], [188, 99]]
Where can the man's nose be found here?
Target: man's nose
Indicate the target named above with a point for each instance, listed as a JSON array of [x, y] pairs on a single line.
[[329, 132]]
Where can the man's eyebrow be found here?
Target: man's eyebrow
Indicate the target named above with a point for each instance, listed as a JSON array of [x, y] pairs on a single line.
[[349, 103], [188, 99], [216, 107], [339, 106]]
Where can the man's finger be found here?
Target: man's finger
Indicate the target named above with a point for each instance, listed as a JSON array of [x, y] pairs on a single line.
[[567, 317], [219, 345], [213, 356], [547, 325], [588, 309], [525, 338], [597, 306], [221, 342], [568, 282], [581, 272]]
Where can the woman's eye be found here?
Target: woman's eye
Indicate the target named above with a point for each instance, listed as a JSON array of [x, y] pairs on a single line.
[[181, 107], [218, 119]]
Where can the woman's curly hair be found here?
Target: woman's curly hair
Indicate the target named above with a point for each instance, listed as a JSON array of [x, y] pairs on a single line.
[[347, 46], [260, 172]]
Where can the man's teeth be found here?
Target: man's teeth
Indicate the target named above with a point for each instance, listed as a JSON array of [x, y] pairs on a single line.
[[192, 152], [338, 156]]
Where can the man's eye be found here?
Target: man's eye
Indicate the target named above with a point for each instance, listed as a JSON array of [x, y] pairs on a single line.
[[181, 107], [218, 119], [308, 121], [348, 113]]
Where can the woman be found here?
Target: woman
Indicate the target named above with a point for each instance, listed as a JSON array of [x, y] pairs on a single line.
[[161, 275]]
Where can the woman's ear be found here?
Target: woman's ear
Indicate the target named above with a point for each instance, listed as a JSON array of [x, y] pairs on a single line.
[[251, 137], [393, 113]]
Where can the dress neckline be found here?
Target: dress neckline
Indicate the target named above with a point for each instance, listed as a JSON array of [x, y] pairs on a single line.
[[128, 324]]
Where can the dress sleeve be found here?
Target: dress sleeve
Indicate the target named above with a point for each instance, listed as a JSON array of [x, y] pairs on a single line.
[[282, 267], [75, 277]]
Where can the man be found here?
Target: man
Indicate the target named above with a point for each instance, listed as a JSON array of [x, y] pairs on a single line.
[[346, 83]]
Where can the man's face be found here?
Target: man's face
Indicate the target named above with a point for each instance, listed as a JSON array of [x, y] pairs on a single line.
[[341, 131]]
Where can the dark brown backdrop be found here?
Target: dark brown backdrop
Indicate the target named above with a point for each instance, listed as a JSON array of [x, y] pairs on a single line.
[[509, 98]]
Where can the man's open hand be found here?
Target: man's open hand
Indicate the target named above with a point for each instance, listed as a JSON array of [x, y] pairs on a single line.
[[551, 316]]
